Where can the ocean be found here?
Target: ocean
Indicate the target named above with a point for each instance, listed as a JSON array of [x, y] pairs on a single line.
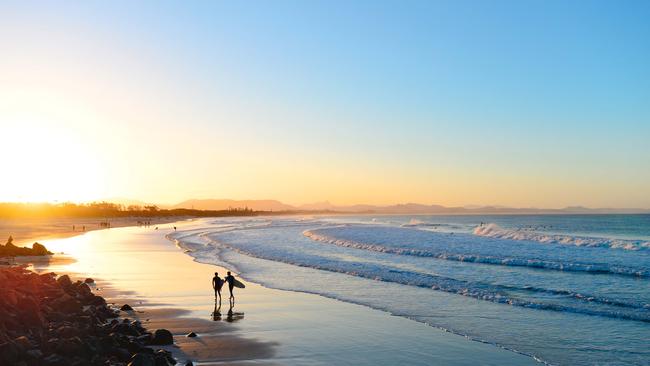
[[562, 289]]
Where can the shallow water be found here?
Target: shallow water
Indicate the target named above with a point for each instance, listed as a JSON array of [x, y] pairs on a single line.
[[561, 289]]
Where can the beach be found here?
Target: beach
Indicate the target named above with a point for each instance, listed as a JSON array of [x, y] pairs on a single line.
[[168, 289], [26, 231]]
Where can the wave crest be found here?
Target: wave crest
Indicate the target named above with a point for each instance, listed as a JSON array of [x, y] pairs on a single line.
[[495, 231], [593, 268]]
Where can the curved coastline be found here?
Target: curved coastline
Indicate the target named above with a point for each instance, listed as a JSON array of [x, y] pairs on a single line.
[[293, 328]]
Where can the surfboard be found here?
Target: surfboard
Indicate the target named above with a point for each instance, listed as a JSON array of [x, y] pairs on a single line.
[[236, 283]]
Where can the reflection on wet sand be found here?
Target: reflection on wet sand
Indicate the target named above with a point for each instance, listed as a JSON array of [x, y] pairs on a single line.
[[231, 316]]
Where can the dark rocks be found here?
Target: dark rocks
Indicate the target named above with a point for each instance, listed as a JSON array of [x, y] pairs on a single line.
[[45, 320], [10, 250], [67, 304], [191, 335], [126, 307], [64, 281], [142, 359], [89, 280], [162, 337], [23, 343], [9, 353], [71, 347], [164, 358], [39, 249]]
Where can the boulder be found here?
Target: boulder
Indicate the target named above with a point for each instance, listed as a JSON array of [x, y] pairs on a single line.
[[142, 359], [126, 307], [162, 337], [64, 281], [66, 304], [70, 347], [23, 343], [191, 335], [39, 249]]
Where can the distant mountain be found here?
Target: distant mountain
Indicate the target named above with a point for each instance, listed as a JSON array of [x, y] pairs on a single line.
[[224, 204], [402, 208]]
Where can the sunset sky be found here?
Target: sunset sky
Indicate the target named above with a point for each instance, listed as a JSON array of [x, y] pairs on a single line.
[[516, 103]]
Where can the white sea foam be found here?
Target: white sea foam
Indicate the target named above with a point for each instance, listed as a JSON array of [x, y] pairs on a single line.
[[495, 231], [446, 254]]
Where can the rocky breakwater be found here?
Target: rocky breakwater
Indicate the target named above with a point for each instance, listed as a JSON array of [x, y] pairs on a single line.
[[47, 319], [10, 250]]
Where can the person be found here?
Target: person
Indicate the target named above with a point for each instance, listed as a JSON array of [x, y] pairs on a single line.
[[217, 283], [231, 284]]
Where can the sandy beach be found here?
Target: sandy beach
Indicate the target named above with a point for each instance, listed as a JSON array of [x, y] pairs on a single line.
[[27, 231], [167, 289]]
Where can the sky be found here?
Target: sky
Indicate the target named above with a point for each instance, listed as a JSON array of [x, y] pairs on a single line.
[[514, 103]]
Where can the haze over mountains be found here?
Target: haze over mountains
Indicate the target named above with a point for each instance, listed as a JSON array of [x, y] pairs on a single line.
[[406, 208]]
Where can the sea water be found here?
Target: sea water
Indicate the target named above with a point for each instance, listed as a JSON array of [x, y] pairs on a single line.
[[562, 289]]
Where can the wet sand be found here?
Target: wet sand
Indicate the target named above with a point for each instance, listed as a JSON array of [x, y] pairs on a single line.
[[169, 290]]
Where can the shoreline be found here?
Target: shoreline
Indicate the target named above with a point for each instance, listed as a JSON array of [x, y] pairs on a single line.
[[268, 326], [28, 231]]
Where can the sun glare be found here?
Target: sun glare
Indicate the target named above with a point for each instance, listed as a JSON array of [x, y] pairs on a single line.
[[42, 163]]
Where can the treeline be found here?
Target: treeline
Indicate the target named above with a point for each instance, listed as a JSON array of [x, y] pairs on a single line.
[[106, 210]]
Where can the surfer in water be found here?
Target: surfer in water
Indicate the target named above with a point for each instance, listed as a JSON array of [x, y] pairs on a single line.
[[217, 284], [231, 284]]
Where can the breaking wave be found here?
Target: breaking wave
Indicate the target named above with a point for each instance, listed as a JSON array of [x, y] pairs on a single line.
[[478, 290], [595, 268], [495, 231]]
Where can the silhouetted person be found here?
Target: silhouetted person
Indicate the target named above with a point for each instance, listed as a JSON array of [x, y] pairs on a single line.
[[231, 284], [174, 228], [217, 284], [72, 227]]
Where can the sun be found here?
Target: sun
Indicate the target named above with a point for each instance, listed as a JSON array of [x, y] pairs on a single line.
[[43, 163]]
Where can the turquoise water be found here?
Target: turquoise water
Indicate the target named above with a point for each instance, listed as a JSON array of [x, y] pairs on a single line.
[[565, 290]]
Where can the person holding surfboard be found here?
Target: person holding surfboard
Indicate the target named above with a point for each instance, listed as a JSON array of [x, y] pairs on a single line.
[[217, 284], [232, 283]]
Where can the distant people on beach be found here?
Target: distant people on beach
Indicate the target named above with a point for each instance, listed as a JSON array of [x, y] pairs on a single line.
[[217, 284]]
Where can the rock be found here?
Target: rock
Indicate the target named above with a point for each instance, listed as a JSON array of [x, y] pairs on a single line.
[[162, 337], [34, 354], [23, 343], [8, 353], [189, 363], [145, 338], [191, 335], [121, 354], [142, 359], [126, 307], [66, 304], [39, 249], [164, 358], [66, 331], [70, 347], [89, 280], [54, 360], [64, 281]]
